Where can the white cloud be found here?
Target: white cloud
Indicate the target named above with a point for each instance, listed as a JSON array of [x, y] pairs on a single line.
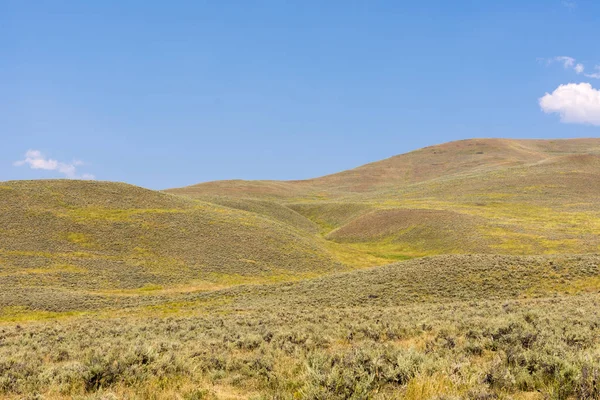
[[569, 3], [568, 62], [36, 160], [576, 103]]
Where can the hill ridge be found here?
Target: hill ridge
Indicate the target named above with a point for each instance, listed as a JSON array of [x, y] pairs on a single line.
[[408, 168]]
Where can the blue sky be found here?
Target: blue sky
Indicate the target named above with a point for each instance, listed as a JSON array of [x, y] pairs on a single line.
[[165, 94]]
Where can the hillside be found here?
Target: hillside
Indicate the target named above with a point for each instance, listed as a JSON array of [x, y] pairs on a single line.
[[431, 280], [108, 236], [464, 157], [477, 196], [432, 231], [491, 196]]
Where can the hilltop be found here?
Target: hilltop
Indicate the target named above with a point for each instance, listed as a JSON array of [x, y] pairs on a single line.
[[448, 160], [480, 195]]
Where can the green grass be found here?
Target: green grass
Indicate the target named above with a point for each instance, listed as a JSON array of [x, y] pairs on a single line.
[[24, 314]]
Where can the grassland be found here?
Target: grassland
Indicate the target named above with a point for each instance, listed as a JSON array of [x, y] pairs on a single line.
[[100, 236], [468, 270], [479, 327], [493, 196]]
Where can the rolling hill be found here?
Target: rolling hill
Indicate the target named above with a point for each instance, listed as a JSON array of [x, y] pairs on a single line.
[[491, 196], [109, 236], [484, 196], [467, 270], [454, 159]]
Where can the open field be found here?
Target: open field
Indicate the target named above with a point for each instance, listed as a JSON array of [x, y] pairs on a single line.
[[468, 270], [480, 327]]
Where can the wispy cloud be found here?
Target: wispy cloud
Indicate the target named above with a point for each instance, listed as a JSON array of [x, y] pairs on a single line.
[[576, 103], [595, 75], [570, 4], [36, 160], [571, 63], [568, 62]]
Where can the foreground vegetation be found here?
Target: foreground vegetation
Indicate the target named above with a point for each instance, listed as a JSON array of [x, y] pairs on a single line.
[[531, 331]]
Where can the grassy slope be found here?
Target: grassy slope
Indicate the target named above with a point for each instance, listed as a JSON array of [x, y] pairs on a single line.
[[107, 236], [435, 279], [494, 195], [478, 196], [454, 158], [415, 231], [267, 208]]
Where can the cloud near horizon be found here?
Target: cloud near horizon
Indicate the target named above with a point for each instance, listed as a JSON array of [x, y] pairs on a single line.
[[576, 103], [36, 160]]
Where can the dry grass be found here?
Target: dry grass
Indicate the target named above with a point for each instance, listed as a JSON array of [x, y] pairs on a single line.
[[250, 290], [95, 235], [416, 231], [491, 196], [442, 327]]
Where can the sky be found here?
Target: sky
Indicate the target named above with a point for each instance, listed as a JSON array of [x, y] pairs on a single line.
[[167, 94]]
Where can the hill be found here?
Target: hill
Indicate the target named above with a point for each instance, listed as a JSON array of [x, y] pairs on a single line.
[[93, 236], [492, 196], [487, 196], [247, 290], [464, 157], [415, 230]]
